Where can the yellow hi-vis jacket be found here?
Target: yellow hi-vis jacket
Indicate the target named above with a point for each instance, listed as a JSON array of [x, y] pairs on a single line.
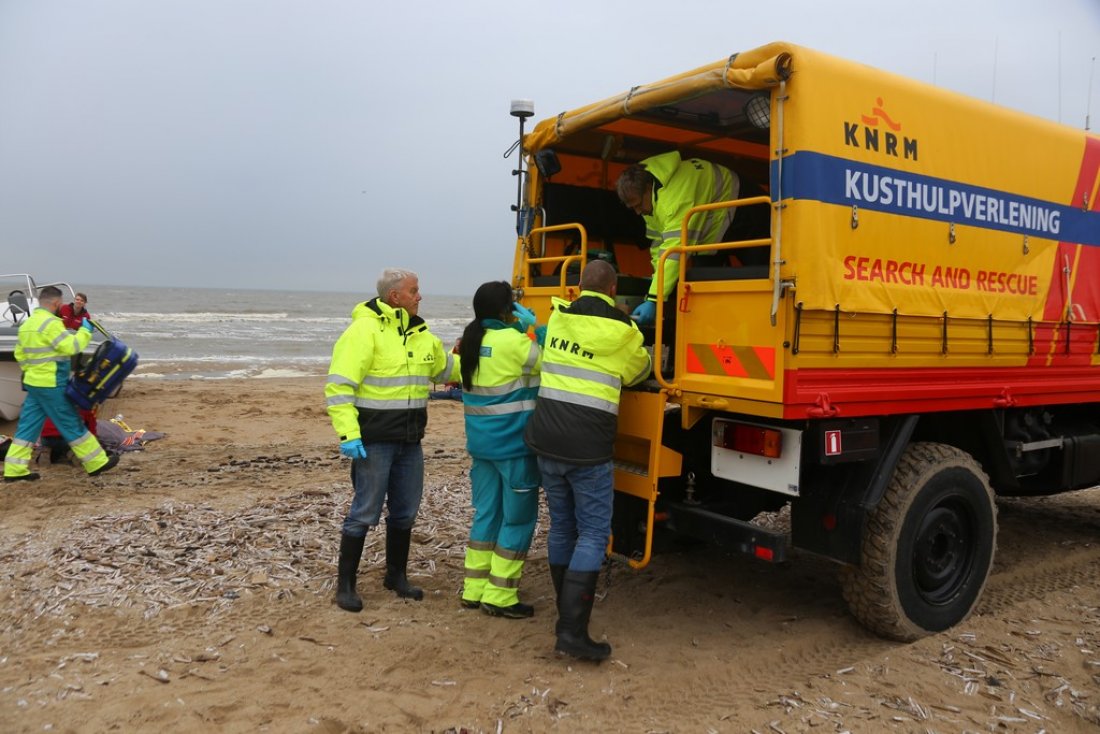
[[44, 348], [378, 380], [502, 393], [682, 184], [591, 350]]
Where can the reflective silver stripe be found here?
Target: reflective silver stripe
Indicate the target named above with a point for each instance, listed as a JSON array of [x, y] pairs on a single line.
[[641, 373], [448, 365], [37, 350], [502, 409], [21, 442], [532, 358], [43, 325], [62, 337], [481, 545], [693, 235], [45, 360], [341, 380], [503, 583], [477, 573], [511, 555], [83, 438], [339, 399], [89, 457], [673, 256], [582, 373], [17, 461], [400, 381], [722, 216], [506, 388], [586, 401], [401, 404]]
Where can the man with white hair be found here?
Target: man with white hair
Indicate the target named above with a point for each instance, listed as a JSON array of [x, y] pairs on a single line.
[[377, 397], [44, 351]]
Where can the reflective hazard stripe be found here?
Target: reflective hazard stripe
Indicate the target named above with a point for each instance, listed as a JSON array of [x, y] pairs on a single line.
[[62, 338], [504, 583], [731, 360], [448, 365], [532, 359], [500, 409], [517, 384], [581, 373], [45, 360], [397, 404], [564, 396], [341, 380], [511, 555], [400, 381]]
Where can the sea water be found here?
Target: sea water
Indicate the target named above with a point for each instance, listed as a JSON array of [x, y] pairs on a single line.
[[197, 333]]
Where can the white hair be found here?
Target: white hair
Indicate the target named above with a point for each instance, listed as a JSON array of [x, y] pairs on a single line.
[[390, 279]]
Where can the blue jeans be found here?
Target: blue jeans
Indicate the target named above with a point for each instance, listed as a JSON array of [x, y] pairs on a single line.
[[580, 499], [392, 472]]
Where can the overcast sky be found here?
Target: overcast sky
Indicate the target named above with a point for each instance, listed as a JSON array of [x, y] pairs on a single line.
[[307, 144]]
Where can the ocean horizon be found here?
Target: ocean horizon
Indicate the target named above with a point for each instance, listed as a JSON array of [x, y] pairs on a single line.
[[222, 333]]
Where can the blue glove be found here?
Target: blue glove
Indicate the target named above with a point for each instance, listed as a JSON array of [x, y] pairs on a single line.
[[645, 314], [354, 449], [524, 315], [86, 324]]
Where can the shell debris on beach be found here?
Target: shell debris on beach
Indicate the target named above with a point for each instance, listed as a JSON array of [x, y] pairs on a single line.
[[191, 590]]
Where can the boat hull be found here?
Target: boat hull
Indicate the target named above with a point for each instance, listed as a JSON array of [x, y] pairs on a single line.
[[11, 390]]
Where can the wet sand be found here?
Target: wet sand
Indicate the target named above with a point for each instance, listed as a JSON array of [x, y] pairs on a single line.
[[190, 590]]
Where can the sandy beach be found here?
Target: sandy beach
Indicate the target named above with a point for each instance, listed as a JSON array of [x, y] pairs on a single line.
[[190, 590]]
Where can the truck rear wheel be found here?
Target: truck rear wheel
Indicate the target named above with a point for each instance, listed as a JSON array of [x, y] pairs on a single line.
[[927, 547]]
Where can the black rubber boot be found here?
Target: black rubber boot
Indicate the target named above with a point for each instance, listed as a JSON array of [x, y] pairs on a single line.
[[578, 592], [557, 574], [112, 462], [351, 550], [397, 561], [519, 610], [58, 453]]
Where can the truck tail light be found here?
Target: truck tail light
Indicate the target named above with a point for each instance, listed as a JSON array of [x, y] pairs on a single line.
[[752, 439]]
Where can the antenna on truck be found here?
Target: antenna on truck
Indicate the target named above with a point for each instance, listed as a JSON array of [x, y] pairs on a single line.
[[521, 108]]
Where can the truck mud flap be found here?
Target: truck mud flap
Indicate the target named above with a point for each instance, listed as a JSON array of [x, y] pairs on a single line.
[[727, 532]]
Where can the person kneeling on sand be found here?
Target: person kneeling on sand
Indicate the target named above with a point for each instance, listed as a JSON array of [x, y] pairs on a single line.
[[377, 397], [44, 350]]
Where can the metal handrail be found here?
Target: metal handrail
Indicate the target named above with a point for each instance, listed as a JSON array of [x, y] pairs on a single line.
[[565, 260], [688, 249]]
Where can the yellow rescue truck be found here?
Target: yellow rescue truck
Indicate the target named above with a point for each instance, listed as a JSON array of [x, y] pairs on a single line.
[[914, 330]]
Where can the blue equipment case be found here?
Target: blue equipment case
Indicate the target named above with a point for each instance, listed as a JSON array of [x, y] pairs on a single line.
[[101, 377]]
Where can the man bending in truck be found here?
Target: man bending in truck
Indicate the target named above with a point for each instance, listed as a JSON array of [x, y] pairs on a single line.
[[662, 189]]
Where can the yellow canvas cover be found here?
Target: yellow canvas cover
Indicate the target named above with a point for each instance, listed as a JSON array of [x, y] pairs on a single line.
[[903, 195], [757, 69], [899, 195]]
